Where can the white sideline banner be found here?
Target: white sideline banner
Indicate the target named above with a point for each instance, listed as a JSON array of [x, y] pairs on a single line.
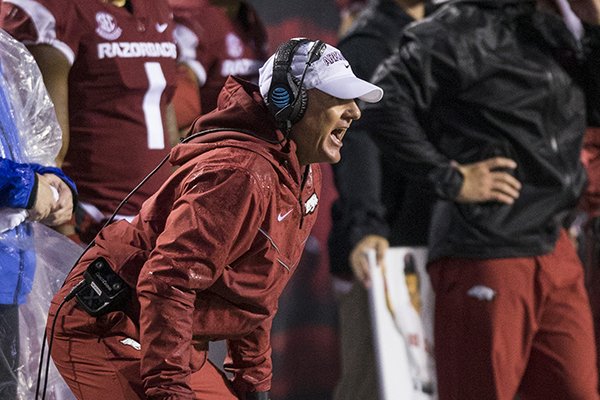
[[401, 303]]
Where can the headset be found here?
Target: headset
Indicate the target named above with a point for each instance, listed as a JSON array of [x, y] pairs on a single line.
[[287, 98]]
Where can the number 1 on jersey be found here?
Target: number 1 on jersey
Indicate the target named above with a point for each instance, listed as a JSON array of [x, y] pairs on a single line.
[[151, 105]]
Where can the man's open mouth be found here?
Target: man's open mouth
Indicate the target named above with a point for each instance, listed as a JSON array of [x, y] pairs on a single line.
[[338, 135]]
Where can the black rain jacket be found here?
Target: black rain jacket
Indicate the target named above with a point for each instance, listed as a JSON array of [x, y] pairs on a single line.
[[491, 78]]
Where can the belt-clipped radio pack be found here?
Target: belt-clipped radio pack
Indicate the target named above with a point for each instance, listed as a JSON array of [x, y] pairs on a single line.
[[102, 290]]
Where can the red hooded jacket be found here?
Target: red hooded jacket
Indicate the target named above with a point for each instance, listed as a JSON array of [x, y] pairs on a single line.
[[210, 253]]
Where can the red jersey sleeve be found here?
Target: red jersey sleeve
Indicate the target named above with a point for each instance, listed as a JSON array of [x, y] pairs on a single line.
[[216, 46], [51, 22]]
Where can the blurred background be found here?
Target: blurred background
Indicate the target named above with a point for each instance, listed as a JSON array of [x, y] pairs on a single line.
[[304, 337]]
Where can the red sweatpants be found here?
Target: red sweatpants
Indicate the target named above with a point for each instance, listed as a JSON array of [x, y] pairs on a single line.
[[99, 358], [514, 325]]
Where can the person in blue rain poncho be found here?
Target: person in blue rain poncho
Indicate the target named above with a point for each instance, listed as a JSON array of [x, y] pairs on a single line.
[[31, 189]]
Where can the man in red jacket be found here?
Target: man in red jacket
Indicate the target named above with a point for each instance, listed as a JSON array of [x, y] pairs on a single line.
[[209, 254]]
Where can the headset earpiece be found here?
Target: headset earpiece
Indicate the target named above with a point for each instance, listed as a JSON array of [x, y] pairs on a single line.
[[285, 96], [287, 99]]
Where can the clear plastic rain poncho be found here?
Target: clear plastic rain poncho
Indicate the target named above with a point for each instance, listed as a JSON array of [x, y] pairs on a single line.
[[29, 133]]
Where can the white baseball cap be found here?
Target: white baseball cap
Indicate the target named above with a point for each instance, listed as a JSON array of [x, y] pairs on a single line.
[[330, 73]]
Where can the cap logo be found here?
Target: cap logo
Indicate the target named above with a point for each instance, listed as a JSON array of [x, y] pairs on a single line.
[[333, 57]]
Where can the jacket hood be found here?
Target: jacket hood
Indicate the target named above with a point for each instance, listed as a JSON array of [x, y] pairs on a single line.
[[240, 120]]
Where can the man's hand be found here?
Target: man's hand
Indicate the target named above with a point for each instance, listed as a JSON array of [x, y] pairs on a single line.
[[483, 181], [358, 257], [44, 200], [63, 208], [586, 10]]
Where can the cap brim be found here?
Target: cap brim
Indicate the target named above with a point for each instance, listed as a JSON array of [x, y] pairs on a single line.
[[351, 87]]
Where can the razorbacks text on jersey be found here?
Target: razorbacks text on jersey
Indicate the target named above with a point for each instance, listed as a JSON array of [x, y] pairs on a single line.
[[123, 62], [215, 46]]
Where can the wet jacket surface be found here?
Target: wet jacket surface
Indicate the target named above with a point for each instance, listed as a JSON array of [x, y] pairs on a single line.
[[27, 133], [210, 253], [491, 78]]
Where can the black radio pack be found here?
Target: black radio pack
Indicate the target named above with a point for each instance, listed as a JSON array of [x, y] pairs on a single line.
[[102, 290]]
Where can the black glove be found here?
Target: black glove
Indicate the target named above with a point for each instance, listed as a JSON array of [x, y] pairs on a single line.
[[257, 395]]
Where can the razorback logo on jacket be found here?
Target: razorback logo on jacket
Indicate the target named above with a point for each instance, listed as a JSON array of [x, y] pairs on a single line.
[[311, 204]]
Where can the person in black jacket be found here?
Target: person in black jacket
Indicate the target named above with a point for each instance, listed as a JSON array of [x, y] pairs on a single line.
[[486, 103], [373, 204]]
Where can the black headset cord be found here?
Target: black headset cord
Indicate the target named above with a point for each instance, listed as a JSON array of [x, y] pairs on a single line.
[[79, 286], [68, 297]]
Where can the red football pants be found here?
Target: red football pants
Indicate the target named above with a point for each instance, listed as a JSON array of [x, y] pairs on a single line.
[[514, 325], [592, 259], [99, 358]]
